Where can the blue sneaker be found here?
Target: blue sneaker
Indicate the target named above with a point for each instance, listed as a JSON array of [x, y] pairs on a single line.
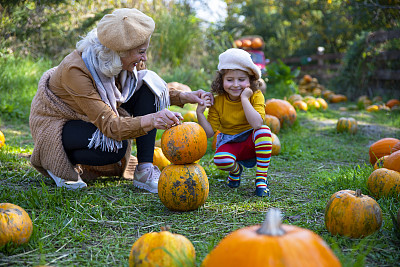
[[262, 191], [235, 183]]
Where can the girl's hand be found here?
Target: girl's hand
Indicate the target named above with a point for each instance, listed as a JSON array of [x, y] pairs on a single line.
[[165, 119], [207, 103], [196, 97], [246, 93]]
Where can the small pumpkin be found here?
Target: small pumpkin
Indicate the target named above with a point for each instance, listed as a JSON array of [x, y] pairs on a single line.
[[379, 163], [350, 213], [300, 105], [273, 123], [190, 116], [295, 97], [2, 139], [238, 43], [336, 98], [162, 249], [381, 148], [183, 187], [184, 143], [246, 43], [281, 109], [276, 145], [159, 159], [312, 103], [15, 224], [323, 104], [257, 43], [372, 108], [307, 78], [346, 125], [384, 183], [393, 102], [392, 162], [271, 244]]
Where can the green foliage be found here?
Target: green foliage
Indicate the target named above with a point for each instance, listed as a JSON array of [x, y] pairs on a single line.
[[280, 80]]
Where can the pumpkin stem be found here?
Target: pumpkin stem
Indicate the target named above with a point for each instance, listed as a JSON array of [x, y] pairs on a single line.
[[272, 224], [358, 192]]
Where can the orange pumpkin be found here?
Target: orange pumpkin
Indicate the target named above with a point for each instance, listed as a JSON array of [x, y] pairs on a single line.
[[184, 143], [281, 109], [238, 43], [246, 43], [392, 162], [300, 105], [336, 98], [295, 97], [272, 244], [379, 163], [346, 125], [312, 103], [162, 249], [350, 213], [15, 225], [214, 143], [256, 43], [159, 159], [2, 139], [393, 102], [273, 123], [322, 103], [183, 187], [384, 183], [276, 145], [395, 148], [307, 78], [381, 148]]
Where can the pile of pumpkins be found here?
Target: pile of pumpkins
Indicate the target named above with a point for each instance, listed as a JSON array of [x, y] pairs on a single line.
[[377, 103], [309, 86], [347, 205], [307, 103]]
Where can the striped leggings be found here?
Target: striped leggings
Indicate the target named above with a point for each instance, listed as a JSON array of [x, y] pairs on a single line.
[[258, 145]]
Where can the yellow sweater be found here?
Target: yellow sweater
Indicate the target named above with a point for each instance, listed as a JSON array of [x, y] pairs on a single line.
[[228, 116]]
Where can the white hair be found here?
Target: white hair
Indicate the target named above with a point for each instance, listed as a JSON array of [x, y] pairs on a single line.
[[109, 61]]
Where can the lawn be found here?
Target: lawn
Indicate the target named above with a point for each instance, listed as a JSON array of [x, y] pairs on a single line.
[[97, 226]]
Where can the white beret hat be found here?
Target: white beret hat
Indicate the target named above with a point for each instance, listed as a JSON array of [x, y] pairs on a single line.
[[124, 29], [238, 59]]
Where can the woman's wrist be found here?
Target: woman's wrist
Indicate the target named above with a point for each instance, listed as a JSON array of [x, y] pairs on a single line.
[[147, 122]]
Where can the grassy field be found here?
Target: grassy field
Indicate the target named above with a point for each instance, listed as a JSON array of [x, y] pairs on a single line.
[[98, 225]]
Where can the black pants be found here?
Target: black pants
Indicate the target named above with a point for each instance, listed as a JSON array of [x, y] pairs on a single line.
[[76, 133]]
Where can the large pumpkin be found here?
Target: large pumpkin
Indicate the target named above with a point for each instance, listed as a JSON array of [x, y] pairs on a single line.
[[272, 244], [281, 109], [2, 139], [159, 159], [348, 125], [162, 249], [381, 148], [15, 224], [384, 183], [184, 143], [276, 145], [350, 213], [392, 162], [273, 123], [183, 187]]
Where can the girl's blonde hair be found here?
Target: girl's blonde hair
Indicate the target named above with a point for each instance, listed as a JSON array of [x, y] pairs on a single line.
[[217, 86]]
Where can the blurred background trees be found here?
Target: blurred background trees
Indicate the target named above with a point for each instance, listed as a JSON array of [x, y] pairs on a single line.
[[185, 49]]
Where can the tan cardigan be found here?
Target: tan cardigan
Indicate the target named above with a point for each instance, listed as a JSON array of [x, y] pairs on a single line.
[[68, 92]]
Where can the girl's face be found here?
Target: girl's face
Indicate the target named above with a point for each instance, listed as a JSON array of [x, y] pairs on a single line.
[[134, 56], [234, 82]]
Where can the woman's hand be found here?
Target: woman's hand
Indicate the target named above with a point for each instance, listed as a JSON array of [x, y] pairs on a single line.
[[162, 120], [197, 97]]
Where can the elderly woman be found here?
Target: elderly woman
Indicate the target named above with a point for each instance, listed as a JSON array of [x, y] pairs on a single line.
[[88, 109]]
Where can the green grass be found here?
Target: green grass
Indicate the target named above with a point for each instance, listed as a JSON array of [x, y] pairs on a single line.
[[98, 225]]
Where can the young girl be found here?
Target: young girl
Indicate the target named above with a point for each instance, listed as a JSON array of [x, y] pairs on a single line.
[[238, 112]]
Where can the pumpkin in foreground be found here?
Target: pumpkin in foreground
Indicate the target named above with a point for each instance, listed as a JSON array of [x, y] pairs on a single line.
[[183, 187], [350, 213], [272, 244], [384, 183], [184, 143], [15, 225], [348, 125], [162, 249]]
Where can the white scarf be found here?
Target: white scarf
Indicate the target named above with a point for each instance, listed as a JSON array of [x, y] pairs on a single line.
[[109, 93]]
